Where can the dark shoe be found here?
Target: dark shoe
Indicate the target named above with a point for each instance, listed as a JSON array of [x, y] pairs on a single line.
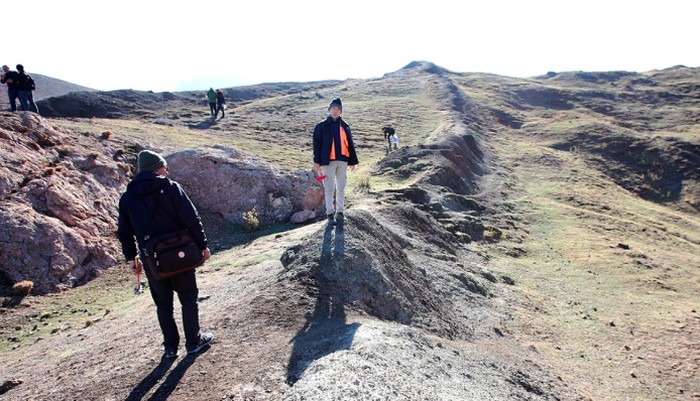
[[204, 341], [170, 353], [331, 220], [339, 219]]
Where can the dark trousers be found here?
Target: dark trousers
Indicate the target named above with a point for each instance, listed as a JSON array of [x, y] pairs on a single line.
[[185, 285], [220, 109], [212, 107], [12, 94], [26, 101]]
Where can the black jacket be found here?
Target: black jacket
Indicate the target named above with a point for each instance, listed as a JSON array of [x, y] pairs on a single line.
[[220, 98], [25, 82], [146, 193], [323, 137], [12, 76]]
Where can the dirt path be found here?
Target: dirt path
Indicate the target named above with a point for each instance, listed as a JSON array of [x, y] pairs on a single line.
[[302, 324]]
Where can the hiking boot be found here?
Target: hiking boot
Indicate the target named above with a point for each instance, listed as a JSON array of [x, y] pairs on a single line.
[[340, 219], [331, 219], [170, 353], [204, 341]]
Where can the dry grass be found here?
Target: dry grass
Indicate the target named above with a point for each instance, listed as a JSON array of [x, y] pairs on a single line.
[[362, 182], [251, 220], [615, 317], [41, 317]]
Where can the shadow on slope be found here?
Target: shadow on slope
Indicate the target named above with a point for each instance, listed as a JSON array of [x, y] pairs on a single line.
[[360, 269]]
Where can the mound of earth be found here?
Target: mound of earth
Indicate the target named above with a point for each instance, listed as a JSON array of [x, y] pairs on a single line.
[[425, 66], [113, 104], [454, 162], [430, 317], [254, 92]]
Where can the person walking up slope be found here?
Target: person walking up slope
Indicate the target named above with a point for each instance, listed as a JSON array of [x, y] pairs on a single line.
[[211, 96], [221, 103], [388, 135], [334, 153]]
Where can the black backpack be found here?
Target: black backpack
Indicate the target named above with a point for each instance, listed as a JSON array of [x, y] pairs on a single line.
[[30, 83], [25, 82]]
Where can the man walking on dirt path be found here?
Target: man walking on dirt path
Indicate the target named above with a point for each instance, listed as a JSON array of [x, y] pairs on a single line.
[[211, 96], [334, 153], [151, 206]]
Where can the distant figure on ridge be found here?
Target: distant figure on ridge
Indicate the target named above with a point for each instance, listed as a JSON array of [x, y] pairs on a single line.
[[334, 152], [11, 78], [154, 205], [211, 96], [388, 136], [221, 103], [25, 87]]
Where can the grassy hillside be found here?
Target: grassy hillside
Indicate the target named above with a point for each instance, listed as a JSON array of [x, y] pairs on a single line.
[[590, 196]]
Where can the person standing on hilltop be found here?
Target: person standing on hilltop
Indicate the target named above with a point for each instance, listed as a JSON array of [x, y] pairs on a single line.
[[221, 103], [334, 153], [25, 87], [11, 78], [151, 206], [211, 96]]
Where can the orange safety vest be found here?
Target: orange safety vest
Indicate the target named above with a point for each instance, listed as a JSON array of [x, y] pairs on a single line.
[[344, 146]]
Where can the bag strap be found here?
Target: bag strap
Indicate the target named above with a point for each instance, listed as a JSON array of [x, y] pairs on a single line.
[[155, 210]]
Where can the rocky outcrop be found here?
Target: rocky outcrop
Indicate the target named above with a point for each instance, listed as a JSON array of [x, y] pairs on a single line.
[[57, 203], [229, 182], [59, 191]]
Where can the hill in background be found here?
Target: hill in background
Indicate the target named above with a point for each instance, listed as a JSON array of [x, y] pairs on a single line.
[[45, 87]]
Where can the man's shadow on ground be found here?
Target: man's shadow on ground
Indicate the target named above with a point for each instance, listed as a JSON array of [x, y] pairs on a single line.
[[210, 121], [325, 330], [169, 384]]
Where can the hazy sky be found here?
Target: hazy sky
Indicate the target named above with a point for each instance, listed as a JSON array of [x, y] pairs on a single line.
[[171, 45]]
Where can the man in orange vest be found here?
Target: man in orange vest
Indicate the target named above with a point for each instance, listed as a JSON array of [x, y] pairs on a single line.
[[334, 153]]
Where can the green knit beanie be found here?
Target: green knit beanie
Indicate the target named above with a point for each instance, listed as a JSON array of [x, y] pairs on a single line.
[[150, 161]]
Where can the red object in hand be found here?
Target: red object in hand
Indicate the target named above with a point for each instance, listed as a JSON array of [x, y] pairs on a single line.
[[320, 178]]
